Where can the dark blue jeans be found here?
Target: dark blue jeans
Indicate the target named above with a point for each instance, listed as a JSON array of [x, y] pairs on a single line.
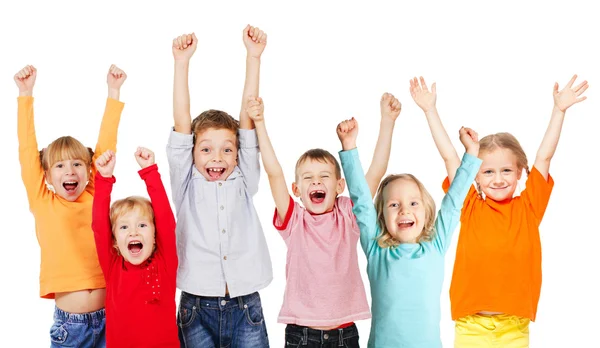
[[78, 330], [213, 322], [305, 337]]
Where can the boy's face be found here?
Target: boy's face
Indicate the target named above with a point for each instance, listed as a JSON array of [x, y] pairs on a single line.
[[134, 236], [499, 174], [69, 178], [317, 186], [404, 210], [215, 153]]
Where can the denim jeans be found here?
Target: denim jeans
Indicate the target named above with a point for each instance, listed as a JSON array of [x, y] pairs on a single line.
[[305, 337], [78, 330], [213, 322]]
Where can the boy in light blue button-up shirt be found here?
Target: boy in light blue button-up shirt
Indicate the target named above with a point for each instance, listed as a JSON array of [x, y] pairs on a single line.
[[223, 256]]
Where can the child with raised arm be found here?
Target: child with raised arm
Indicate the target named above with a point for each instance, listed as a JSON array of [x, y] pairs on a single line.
[[223, 256], [405, 244], [59, 181], [135, 242], [324, 291], [497, 271]]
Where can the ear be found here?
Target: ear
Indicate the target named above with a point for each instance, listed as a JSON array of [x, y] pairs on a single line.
[[295, 190], [341, 185], [519, 173]]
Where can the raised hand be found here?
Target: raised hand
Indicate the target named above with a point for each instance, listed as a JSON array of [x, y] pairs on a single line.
[[569, 95], [184, 46], [470, 140], [255, 109], [105, 163], [255, 41], [25, 80], [421, 94], [115, 77], [390, 106], [144, 157], [347, 131]]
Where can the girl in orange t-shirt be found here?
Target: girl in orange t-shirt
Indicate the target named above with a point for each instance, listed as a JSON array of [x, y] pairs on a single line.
[[497, 271], [59, 182]]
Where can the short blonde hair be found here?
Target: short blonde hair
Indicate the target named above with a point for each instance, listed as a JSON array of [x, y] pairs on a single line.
[[507, 141], [385, 239], [65, 148], [125, 205]]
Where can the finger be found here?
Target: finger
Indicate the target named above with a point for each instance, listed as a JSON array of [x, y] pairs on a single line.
[[189, 39], [583, 89], [555, 90], [259, 99], [572, 81], [264, 38], [175, 45], [255, 34], [579, 100], [423, 84], [579, 86], [433, 88]]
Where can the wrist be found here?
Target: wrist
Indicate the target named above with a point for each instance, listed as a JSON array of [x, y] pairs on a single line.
[[348, 145], [182, 63], [473, 151], [27, 93], [253, 58], [556, 109], [429, 110], [387, 121], [114, 93]]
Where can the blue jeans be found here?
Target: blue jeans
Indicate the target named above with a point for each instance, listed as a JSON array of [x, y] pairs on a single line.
[[213, 322], [305, 337], [78, 330]]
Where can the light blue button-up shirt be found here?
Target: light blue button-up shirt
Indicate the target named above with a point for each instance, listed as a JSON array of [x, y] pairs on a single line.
[[406, 282], [220, 241]]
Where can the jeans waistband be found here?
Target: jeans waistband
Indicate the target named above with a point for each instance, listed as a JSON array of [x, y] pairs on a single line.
[[221, 303], [322, 336], [84, 318]]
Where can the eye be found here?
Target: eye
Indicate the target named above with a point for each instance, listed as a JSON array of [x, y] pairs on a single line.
[[77, 164], [507, 170], [414, 204], [59, 165], [228, 150], [205, 150], [307, 177], [123, 227], [393, 205], [487, 172], [324, 176], [143, 225]]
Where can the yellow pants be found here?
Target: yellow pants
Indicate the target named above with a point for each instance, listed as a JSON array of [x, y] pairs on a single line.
[[501, 330]]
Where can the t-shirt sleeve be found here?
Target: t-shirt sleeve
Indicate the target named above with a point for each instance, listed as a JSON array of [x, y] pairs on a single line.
[[536, 194], [292, 216]]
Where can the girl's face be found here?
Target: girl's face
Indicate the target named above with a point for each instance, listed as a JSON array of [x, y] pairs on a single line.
[[499, 174], [403, 210], [134, 235], [69, 178]]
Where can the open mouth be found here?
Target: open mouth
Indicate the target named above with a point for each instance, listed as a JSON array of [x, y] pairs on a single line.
[[317, 197], [406, 224], [135, 247], [215, 173], [70, 186]]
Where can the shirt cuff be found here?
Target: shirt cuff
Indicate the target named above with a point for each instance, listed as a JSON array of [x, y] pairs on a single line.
[[99, 177], [146, 171], [287, 218], [177, 139]]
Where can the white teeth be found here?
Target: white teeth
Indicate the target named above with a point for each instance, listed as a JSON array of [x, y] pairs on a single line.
[[70, 182], [215, 169]]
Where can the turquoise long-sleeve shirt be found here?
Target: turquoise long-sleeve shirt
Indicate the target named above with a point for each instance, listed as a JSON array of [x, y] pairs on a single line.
[[406, 281]]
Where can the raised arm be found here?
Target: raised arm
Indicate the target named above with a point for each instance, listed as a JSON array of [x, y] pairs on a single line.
[[452, 203], [426, 101], [164, 220], [563, 99], [107, 138], [105, 164], [32, 173], [184, 47], [363, 208], [255, 41], [390, 109], [279, 190]]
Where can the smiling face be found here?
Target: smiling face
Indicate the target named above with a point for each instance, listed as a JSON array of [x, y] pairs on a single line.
[[318, 182], [132, 222], [66, 164], [215, 153], [499, 174]]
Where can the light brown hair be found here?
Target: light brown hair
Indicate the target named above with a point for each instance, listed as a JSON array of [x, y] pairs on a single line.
[[385, 239], [215, 119], [65, 148], [322, 156], [125, 205]]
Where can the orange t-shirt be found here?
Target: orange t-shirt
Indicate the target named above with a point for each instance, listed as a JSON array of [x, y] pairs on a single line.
[[498, 265], [64, 229]]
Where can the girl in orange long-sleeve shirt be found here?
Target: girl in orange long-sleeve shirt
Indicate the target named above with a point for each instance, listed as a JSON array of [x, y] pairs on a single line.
[[60, 186]]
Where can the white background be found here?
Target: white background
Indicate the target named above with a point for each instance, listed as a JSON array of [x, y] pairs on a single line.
[[494, 63]]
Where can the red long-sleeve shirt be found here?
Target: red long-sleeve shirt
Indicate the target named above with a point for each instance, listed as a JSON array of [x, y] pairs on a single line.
[[140, 300]]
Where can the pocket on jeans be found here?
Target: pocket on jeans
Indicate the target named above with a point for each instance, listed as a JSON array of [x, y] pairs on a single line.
[[186, 316], [292, 341], [351, 342], [254, 313], [58, 333]]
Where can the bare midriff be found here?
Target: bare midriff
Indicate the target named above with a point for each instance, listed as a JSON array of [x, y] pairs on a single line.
[[83, 301]]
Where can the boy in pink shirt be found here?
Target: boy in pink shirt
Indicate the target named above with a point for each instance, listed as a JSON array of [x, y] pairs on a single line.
[[324, 292]]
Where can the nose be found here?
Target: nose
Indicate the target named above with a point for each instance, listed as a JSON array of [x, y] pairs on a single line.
[[498, 180]]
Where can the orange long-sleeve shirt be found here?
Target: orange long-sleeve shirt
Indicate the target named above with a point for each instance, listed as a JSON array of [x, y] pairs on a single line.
[[498, 265], [64, 229]]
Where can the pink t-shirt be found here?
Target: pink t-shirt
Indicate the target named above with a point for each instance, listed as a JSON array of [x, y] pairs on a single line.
[[324, 286]]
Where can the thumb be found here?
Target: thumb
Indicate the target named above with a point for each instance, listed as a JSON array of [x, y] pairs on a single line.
[[555, 87], [433, 88], [259, 99]]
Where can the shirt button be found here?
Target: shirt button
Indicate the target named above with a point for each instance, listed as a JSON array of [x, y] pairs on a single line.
[[222, 207], [223, 231], [220, 184], [225, 258], [326, 336], [223, 302]]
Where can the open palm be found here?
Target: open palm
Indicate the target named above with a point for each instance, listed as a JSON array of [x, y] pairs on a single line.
[[569, 95]]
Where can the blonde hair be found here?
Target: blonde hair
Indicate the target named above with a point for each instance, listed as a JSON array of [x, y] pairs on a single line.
[[322, 156], [65, 148], [507, 141], [125, 205], [385, 239]]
